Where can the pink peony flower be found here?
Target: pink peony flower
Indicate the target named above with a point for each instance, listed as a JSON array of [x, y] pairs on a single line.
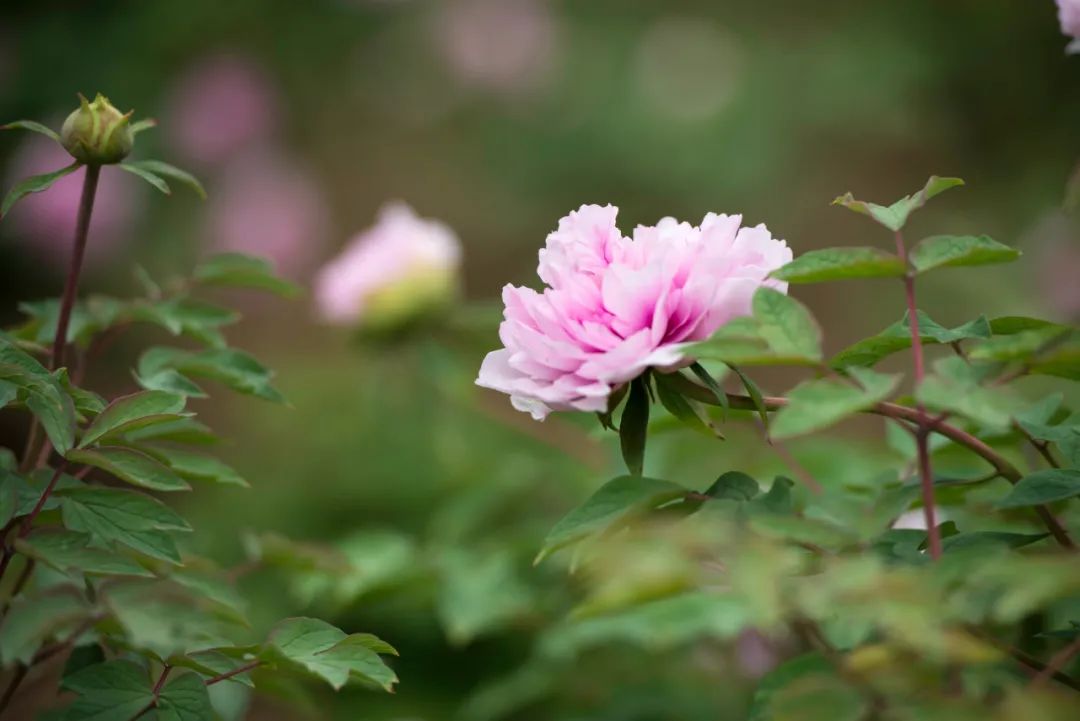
[[266, 205], [46, 220], [1069, 15], [401, 266], [223, 105], [615, 306]]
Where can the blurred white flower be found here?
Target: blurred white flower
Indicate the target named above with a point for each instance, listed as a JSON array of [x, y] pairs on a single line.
[[400, 268], [267, 206], [221, 106]]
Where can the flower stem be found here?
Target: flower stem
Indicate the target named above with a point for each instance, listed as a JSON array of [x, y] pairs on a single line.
[[24, 529], [926, 475], [71, 287]]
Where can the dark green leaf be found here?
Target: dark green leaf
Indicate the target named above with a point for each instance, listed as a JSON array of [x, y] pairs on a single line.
[[164, 170], [195, 466], [895, 216], [615, 503], [957, 250], [778, 499], [987, 539], [1048, 486], [129, 413], [69, 552], [182, 430], [132, 466], [755, 394], [45, 396], [110, 691], [633, 427], [810, 664], [184, 698], [8, 393], [116, 515], [35, 184], [818, 266], [33, 127], [735, 486], [817, 404], [706, 377], [681, 407], [243, 271], [32, 620]]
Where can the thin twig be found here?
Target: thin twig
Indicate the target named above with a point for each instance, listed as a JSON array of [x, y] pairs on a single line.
[[235, 672], [1057, 662]]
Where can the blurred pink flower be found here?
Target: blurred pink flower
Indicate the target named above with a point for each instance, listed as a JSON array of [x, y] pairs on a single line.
[[223, 105], [1069, 15], [502, 45], [401, 265], [46, 220], [264, 205], [615, 306]]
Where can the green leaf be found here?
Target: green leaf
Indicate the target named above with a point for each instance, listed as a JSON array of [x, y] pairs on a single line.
[[735, 486], [33, 127], [895, 216], [171, 381], [633, 427], [8, 393], [198, 319], [68, 552], [778, 499], [45, 396], [897, 337], [326, 651], [148, 176], [681, 407], [9, 495], [33, 620], [160, 169], [195, 466], [214, 663], [480, 591], [87, 403], [957, 250], [616, 502], [818, 404], [780, 331], [810, 664], [116, 515], [131, 412], [1047, 486], [243, 271], [706, 378], [130, 465], [233, 368], [817, 266], [989, 539], [184, 698], [754, 392], [110, 691], [34, 184], [1010, 324], [954, 386], [181, 430]]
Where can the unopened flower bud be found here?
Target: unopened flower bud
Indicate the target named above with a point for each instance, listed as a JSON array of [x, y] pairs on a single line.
[[97, 133]]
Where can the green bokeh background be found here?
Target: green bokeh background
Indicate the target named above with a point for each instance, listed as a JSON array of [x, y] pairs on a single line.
[[814, 99]]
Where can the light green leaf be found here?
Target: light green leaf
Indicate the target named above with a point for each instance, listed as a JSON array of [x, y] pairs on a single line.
[[148, 176], [818, 404], [989, 539], [110, 691], [33, 620], [33, 127], [184, 698], [233, 368], [171, 381], [810, 664], [8, 393], [1018, 346], [243, 271], [182, 430], [1047, 486], [895, 216], [957, 250], [141, 125], [479, 592], [778, 498], [132, 466], [780, 331], [616, 502], [954, 386], [817, 266], [327, 652], [69, 552], [195, 466], [897, 337], [34, 184], [131, 412], [160, 169]]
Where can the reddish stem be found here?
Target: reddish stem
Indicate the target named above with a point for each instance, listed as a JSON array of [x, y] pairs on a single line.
[[71, 286], [235, 672]]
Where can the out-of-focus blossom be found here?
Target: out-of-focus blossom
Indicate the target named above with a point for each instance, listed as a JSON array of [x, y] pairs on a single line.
[[222, 106], [1055, 245], [265, 205], [46, 220], [399, 269], [1069, 15], [687, 68], [911, 520], [502, 45], [615, 306]]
